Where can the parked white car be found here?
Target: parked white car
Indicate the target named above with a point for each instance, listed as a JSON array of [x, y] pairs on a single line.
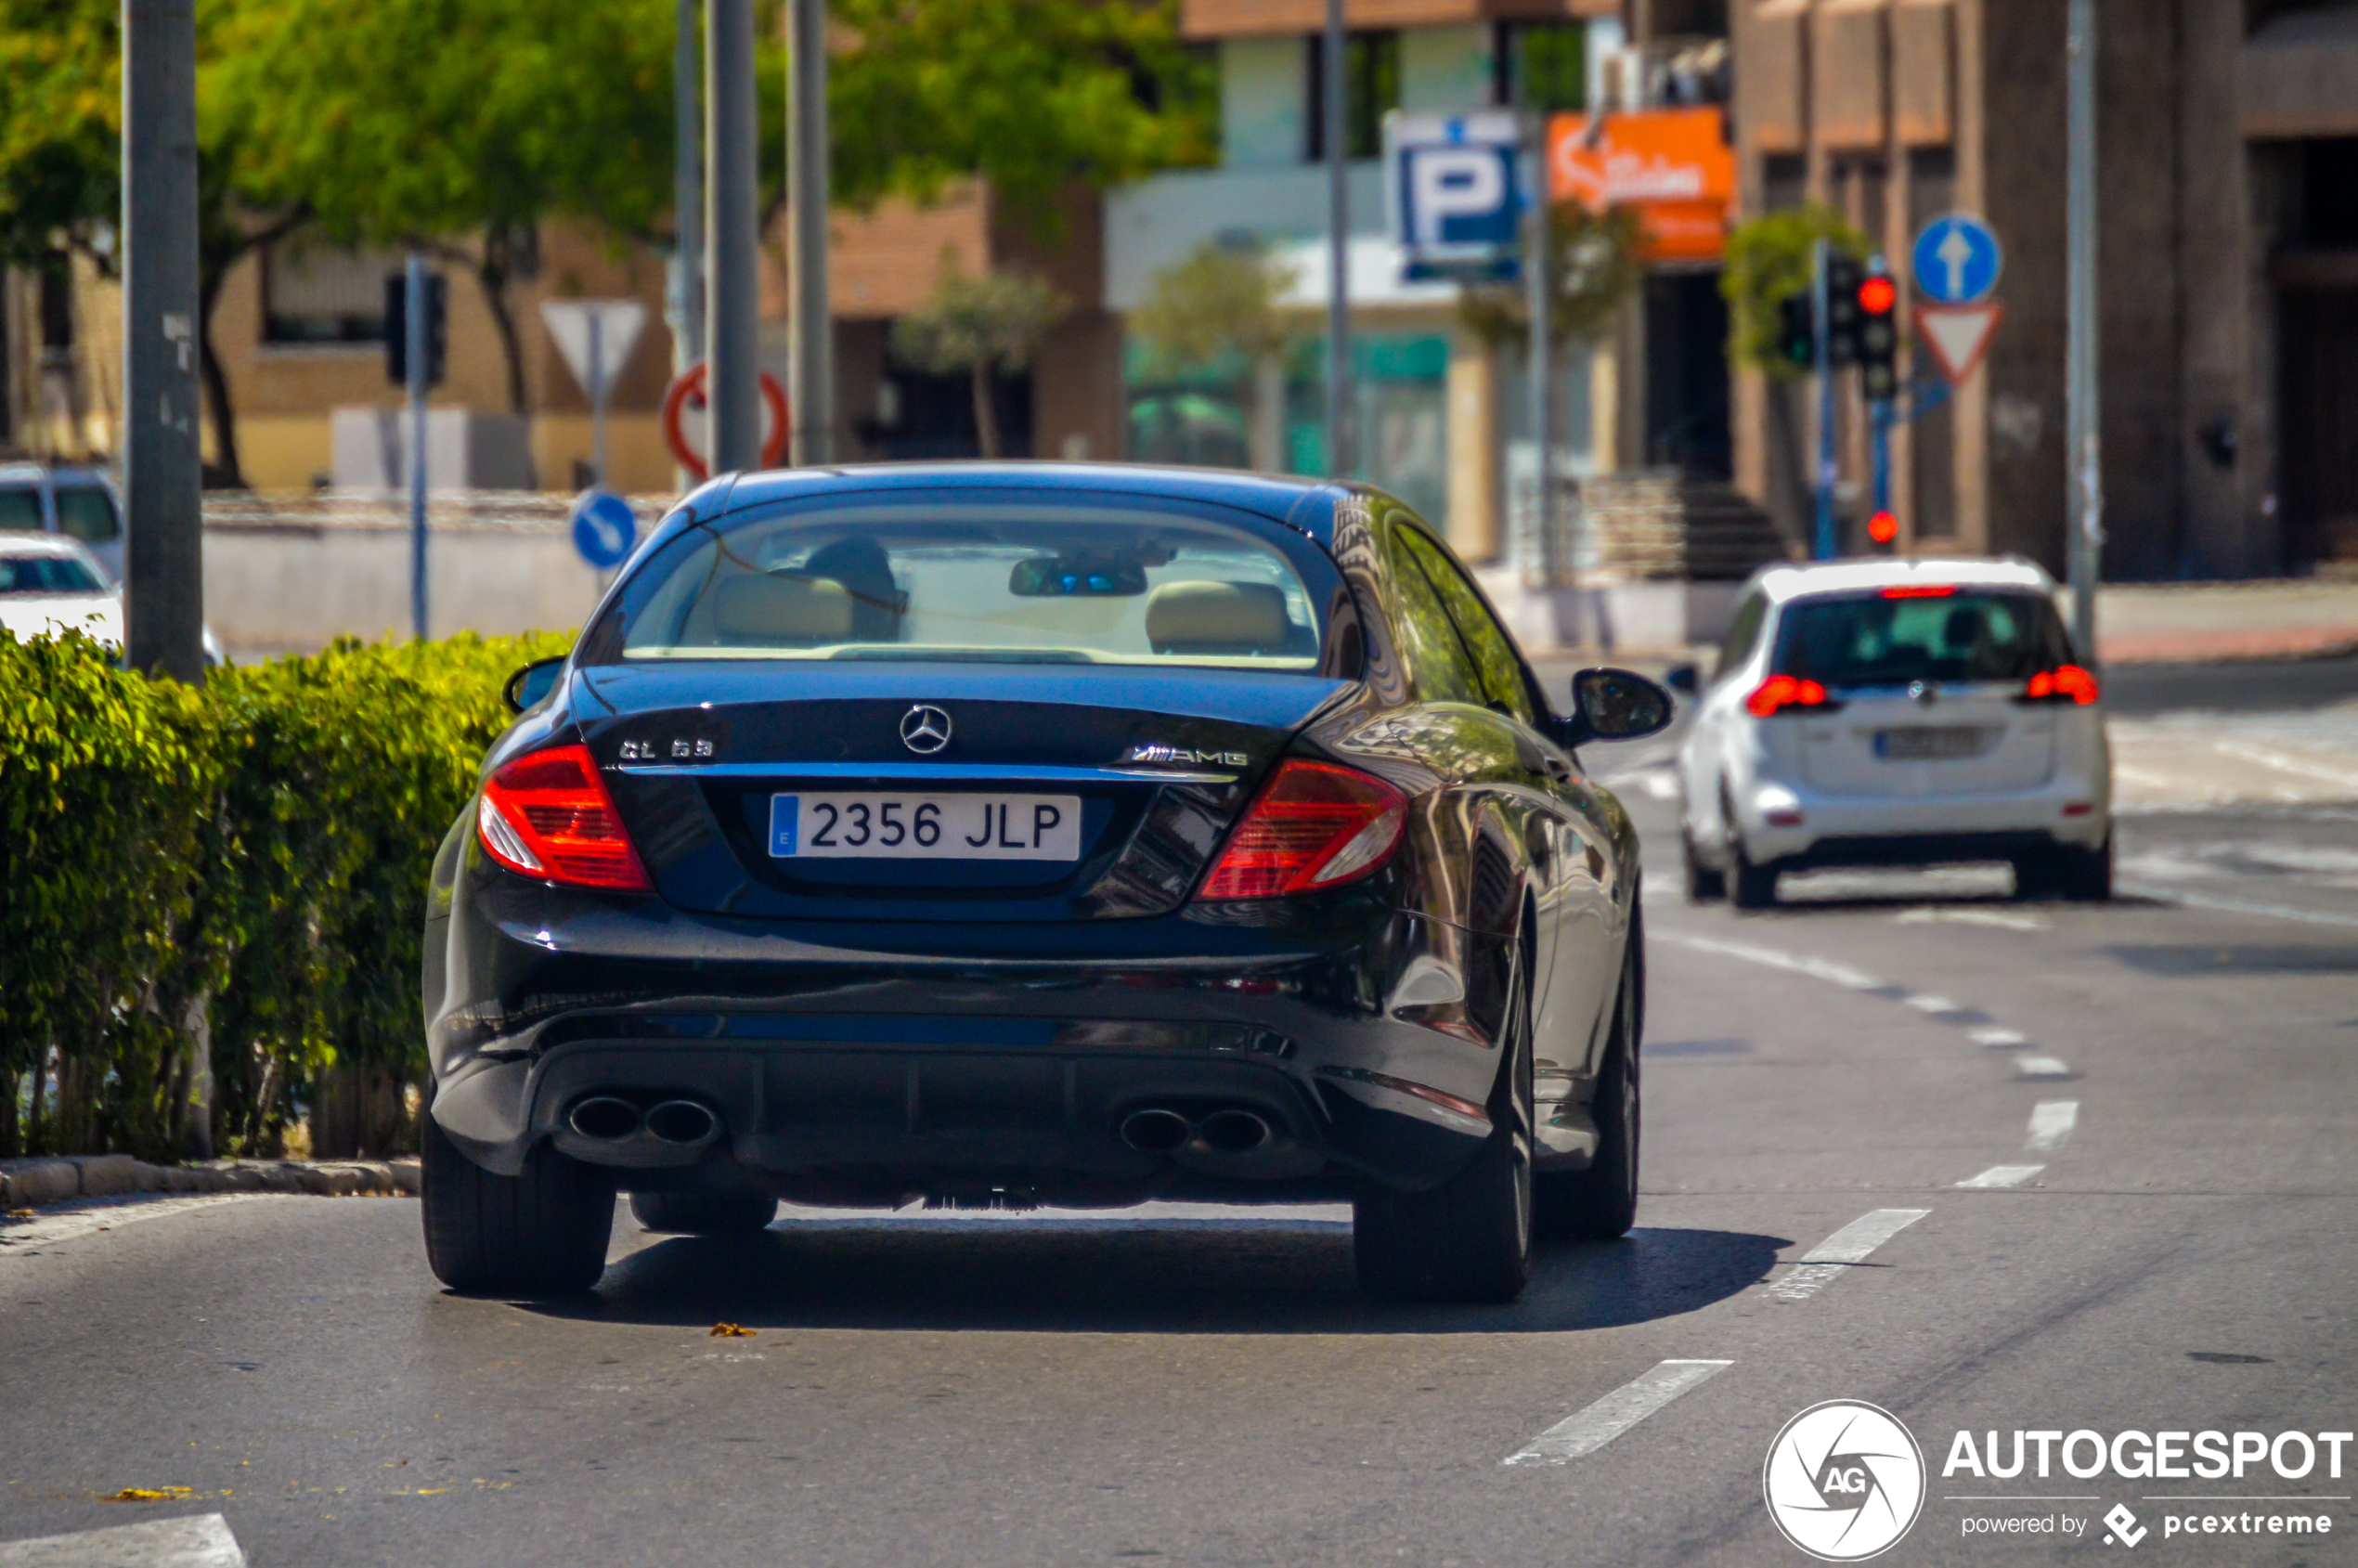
[[1897, 713], [50, 583]]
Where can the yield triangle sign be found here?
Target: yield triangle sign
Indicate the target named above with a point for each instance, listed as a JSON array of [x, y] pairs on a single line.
[[1958, 335], [595, 336]]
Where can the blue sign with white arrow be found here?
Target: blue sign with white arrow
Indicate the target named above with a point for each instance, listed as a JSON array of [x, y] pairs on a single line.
[[604, 528], [1957, 260]]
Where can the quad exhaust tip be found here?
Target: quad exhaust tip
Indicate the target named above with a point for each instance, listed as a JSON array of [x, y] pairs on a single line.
[[1227, 1130]]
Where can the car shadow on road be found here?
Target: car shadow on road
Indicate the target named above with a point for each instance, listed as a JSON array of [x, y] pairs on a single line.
[[1108, 1274]]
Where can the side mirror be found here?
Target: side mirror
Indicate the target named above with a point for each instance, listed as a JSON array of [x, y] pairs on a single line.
[[530, 686], [1616, 705], [1683, 678]]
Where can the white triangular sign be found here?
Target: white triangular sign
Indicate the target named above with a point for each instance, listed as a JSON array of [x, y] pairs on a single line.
[[1958, 335], [614, 324]]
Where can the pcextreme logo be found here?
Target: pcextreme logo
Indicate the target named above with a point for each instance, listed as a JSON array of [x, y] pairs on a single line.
[[1844, 1481]]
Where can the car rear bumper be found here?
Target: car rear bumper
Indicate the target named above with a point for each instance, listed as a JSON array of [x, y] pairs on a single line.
[[1919, 830], [839, 1071]]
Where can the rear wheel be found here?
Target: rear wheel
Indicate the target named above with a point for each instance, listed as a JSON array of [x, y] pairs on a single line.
[[2086, 875], [1704, 884], [703, 1213], [1753, 887], [1600, 1203], [542, 1232], [1467, 1240], [2038, 875]]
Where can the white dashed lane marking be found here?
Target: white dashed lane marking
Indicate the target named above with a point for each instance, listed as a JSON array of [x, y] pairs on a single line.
[[199, 1541], [1999, 1037], [2003, 1176], [2051, 1124], [1823, 1264], [2041, 1067], [1933, 1004], [1589, 1429]]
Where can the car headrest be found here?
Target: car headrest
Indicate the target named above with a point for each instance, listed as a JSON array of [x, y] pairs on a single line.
[[1203, 617], [782, 610]]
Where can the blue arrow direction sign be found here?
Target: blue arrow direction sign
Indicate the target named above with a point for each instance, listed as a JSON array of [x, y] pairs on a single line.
[[604, 528], [1957, 260]]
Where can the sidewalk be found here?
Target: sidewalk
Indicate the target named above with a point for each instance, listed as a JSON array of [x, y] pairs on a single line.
[[2284, 619]]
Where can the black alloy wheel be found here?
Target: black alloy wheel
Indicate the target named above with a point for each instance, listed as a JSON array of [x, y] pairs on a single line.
[[1467, 1240], [703, 1213], [1600, 1203], [543, 1233]]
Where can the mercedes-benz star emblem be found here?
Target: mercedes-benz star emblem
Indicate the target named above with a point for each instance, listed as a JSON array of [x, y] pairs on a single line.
[[924, 730]]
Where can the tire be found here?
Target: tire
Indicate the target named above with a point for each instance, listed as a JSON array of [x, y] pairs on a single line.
[[1753, 887], [703, 1213], [2039, 874], [1467, 1240], [1600, 1203], [543, 1233], [1706, 884], [2086, 875]]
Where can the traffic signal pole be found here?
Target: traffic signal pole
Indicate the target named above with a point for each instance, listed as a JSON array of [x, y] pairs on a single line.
[[2085, 501], [163, 479], [732, 383], [1540, 294], [1823, 301], [414, 329], [810, 384], [1338, 248]]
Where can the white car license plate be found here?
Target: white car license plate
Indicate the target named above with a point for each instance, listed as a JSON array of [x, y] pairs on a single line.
[[1929, 743], [926, 827]]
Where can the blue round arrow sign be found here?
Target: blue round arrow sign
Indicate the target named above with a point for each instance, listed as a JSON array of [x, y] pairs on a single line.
[[604, 528], [1957, 260]]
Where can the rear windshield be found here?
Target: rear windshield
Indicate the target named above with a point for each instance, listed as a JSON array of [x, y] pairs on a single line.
[[1017, 584], [47, 574], [1869, 640]]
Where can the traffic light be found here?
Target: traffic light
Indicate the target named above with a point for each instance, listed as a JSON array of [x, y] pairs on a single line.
[[1878, 301], [1883, 527], [397, 327], [1843, 315], [1797, 331]]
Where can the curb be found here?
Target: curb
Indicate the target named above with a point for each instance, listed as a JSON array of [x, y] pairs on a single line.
[[25, 1184]]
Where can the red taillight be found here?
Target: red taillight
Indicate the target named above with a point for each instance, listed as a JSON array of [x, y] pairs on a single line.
[[2064, 683], [546, 815], [1782, 692], [1920, 591], [1315, 825]]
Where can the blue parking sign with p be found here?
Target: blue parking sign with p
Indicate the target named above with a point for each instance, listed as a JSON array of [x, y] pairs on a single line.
[[1455, 193]]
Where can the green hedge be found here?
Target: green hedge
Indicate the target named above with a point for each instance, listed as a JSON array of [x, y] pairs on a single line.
[[246, 861]]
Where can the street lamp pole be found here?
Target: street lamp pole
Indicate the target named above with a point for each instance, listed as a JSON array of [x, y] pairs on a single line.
[[2085, 484], [811, 390], [732, 387], [1331, 77], [687, 181]]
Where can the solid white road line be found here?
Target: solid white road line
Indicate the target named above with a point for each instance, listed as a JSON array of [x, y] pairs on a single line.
[[2041, 1067], [199, 1541], [1586, 1429], [1999, 1037], [2003, 1176], [2236, 906], [1799, 963], [2051, 1124], [1823, 1264]]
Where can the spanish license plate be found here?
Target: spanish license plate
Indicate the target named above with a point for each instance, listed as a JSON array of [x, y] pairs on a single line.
[[926, 827], [1928, 743]]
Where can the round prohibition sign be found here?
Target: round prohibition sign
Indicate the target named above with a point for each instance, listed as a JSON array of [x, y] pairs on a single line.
[[688, 389]]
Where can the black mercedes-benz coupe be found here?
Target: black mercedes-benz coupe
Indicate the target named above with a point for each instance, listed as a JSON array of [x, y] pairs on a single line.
[[998, 834]]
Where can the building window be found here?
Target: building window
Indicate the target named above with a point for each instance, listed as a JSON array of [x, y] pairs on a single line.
[[1784, 181], [1370, 91], [1544, 66], [320, 295]]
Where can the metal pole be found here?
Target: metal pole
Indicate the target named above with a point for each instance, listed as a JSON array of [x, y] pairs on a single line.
[[1824, 354], [1540, 294], [1338, 249], [1879, 413], [687, 181], [598, 397], [732, 387], [2084, 545], [414, 323], [163, 479], [811, 387]]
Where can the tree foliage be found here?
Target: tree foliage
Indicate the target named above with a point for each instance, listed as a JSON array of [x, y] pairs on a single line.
[[1770, 260], [1594, 258], [978, 326], [60, 119], [1221, 304]]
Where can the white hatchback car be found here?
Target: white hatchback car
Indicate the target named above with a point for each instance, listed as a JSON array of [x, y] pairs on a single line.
[[1897, 713], [52, 582]]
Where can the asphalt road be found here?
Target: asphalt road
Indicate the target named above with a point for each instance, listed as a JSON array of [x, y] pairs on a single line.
[[2078, 1169]]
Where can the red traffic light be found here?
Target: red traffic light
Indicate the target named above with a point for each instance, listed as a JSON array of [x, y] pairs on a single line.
[[1883, 527], [1878, 296]]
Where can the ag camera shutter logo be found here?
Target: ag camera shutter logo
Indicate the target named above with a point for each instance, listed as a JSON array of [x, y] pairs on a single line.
[[1844, 1481]]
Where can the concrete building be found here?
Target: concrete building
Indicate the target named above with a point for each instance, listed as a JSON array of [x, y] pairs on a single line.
[[2228, 156]]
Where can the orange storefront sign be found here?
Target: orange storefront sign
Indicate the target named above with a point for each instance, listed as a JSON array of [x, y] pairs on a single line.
[[1673, 165]]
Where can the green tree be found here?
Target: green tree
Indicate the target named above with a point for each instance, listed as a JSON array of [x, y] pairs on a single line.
[[1219, 309], [1595, 264], [978, 325], [1770, 260]]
